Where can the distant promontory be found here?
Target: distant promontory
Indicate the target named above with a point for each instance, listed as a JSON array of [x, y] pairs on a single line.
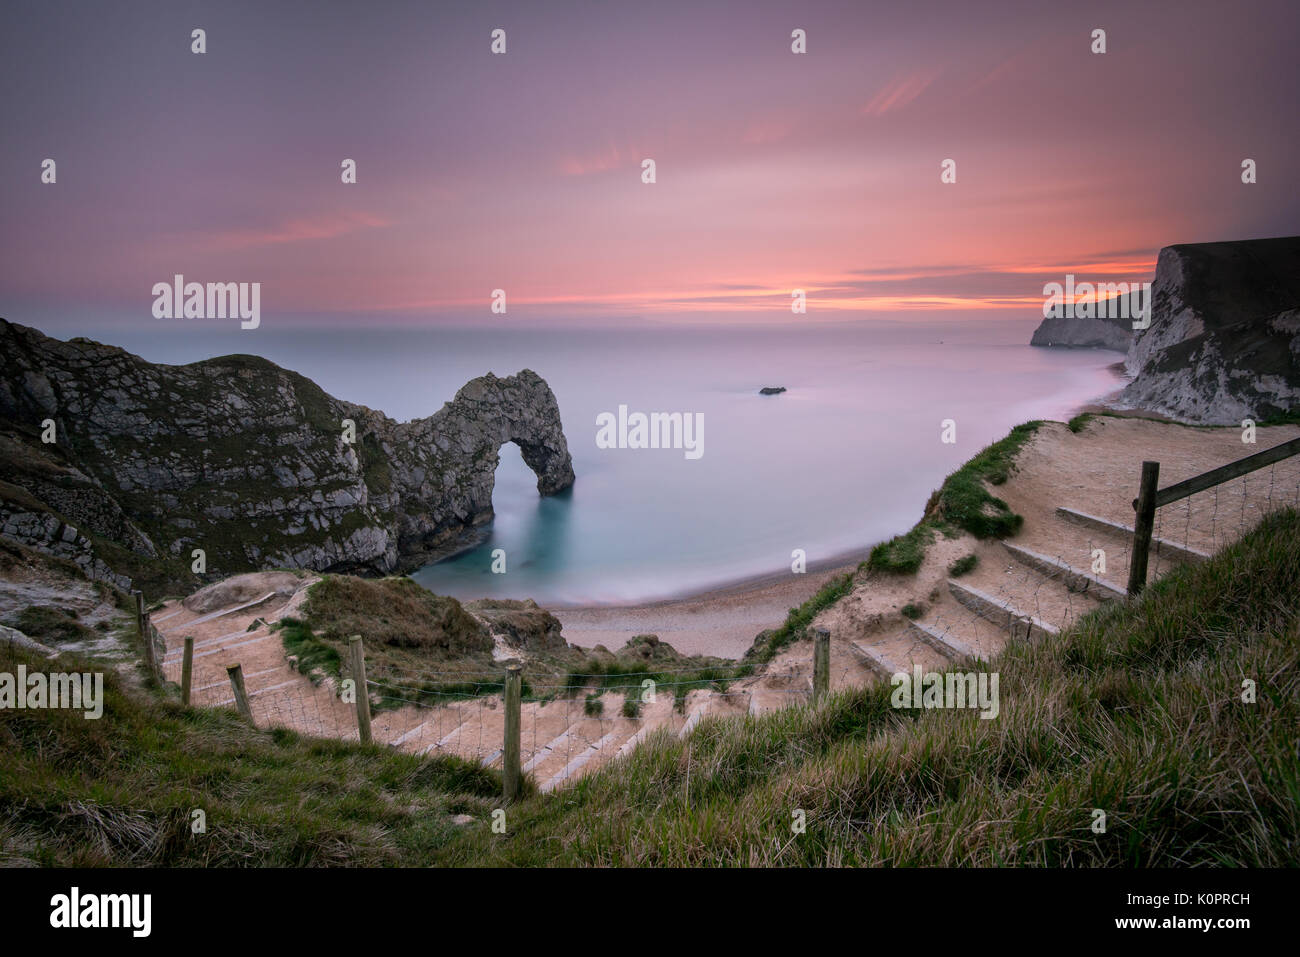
[[1223, 343]]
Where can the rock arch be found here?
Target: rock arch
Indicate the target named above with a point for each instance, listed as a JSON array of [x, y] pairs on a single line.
[[450, 491]]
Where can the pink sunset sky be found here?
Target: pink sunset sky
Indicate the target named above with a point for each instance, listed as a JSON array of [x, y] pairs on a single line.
[[522, 171]]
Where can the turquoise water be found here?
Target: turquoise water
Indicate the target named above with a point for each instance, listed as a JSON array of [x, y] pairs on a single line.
[[845, 458]]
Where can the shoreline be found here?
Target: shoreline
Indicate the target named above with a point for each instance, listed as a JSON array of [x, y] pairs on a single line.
[[721, 622], [732, 587]]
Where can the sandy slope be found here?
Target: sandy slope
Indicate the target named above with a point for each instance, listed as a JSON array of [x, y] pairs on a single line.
[[1095, 471]]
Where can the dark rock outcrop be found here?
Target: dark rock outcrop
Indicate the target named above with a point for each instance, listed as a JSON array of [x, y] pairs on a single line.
[[1084, 333], [248, 461], [522, 624], [1224, 339], [771, 390]]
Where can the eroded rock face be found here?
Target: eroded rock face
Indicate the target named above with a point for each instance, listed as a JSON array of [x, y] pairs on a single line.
[[248, 461], [1224, 340], [1081, 333], [523, 624]]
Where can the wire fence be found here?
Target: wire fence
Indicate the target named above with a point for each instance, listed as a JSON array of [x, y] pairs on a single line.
[[1045, 586], [570, 724]]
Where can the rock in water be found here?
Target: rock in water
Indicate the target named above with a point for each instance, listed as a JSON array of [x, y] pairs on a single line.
[[771, 390], [248, 461], [1224, 339]]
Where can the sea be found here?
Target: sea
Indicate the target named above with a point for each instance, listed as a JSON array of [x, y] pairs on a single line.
[[874, 414]]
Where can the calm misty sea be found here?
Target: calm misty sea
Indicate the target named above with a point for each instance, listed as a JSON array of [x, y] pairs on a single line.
[[845, 458]]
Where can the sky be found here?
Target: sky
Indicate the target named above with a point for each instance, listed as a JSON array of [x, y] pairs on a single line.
[[522, 171]]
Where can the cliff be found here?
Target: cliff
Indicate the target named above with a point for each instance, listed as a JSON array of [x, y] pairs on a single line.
[[1224, 339], [1084, 333], [247, 461]]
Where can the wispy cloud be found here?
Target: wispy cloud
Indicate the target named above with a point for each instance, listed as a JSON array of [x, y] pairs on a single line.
[[601, 160], [325, 226], [899, 92]]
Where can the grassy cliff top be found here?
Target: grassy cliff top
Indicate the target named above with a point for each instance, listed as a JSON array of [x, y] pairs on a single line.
[[1137, 712]]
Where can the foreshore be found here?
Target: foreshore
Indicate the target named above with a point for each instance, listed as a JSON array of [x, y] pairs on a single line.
[[724, 620], [721, 621]]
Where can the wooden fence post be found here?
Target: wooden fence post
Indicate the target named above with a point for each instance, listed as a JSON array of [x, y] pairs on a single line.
[[821, 664], [510, 749], [146, 635], [1143, 525], [358, 654], [187, 669], [236, 673]]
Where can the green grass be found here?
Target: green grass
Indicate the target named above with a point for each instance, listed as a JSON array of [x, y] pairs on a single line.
[[1137, 711], [1290, 417], [598, 675], [313, 654], [963, 500], [51, 625], [912, 611], [964, 565], [902, 554], [796, 623], [963, 503], [121, 790]]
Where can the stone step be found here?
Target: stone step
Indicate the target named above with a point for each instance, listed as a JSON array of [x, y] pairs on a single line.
[[251, 694], [1074, 579], [224, 681], [631, 743], [944, 641], [178, 653], [224, 611], [1161, 546], [876, 661], [555, 744], [692, 720], [454, 734], [1015, 622], [413, 734], [653, 718], [576, 765]]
